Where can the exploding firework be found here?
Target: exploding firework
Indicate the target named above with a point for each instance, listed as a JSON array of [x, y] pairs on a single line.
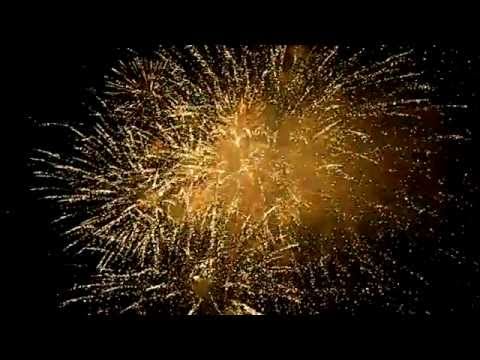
[[250, 179]]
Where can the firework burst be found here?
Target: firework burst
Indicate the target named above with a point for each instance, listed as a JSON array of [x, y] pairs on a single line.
[[230, 180]]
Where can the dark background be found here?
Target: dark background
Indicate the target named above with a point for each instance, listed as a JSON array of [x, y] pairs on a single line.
[[52, 76]]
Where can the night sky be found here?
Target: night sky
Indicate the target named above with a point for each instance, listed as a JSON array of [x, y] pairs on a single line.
[[57, 82]]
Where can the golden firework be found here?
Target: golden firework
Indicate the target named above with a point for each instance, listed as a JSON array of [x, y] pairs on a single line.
[[226, 172]]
